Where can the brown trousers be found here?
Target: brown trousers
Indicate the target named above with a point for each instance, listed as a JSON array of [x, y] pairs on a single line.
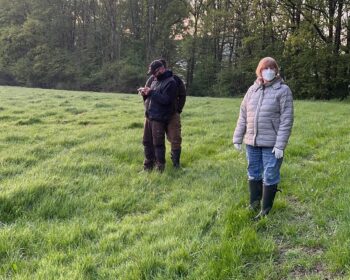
[[173, 132], [154, 143], [154, 140]]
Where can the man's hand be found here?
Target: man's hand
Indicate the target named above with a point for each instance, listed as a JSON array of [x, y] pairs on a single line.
[[140, 90], [278, 153], [238, 147], [146, 91]]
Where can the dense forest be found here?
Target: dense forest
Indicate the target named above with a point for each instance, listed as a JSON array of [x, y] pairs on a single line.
[[215, 45]]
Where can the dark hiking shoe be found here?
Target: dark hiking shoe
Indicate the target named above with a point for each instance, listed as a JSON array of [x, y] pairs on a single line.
[[175, 158], [160, 167]]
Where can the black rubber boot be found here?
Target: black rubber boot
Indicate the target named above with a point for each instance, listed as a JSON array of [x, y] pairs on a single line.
[[255, 190], [175, 157], [269, 193]]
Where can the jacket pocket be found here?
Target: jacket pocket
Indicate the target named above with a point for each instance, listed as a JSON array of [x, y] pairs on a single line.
[[275, 126]]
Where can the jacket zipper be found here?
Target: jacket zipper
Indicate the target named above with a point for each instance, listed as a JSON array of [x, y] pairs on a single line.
[[257, 112]]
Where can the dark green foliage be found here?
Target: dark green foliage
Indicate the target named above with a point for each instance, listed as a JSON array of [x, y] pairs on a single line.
[[213, 45]]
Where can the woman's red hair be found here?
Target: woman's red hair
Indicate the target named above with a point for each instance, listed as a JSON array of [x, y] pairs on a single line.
[[266, 62]]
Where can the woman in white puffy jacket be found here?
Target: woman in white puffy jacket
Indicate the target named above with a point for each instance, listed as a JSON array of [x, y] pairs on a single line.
[[264, 125]]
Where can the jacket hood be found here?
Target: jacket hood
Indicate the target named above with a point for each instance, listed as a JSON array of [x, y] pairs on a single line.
[[165, 75], [275, 83]]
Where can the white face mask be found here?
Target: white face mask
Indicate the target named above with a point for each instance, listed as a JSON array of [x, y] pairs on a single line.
[[268, 74]]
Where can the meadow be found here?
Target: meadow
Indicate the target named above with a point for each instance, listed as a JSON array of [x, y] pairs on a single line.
[[75, 204]]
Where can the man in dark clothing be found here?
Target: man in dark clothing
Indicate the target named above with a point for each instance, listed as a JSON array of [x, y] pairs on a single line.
[[160, 99], [173, 129]]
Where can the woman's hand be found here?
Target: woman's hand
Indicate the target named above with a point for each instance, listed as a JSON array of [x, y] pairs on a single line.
[[238, 147], [278, 153]]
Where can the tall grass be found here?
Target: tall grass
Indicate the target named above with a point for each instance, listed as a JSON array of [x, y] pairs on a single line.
[[74, 203]]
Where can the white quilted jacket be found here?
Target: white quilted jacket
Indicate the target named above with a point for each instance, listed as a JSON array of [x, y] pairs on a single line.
[[266, 116]]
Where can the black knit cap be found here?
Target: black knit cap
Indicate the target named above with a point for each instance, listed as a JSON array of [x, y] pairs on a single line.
[[154, 66]]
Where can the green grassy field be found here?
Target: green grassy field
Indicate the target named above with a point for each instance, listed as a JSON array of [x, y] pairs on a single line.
[[74, 204]]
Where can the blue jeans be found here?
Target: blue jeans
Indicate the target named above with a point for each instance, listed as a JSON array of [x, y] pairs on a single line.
[[262, 165]]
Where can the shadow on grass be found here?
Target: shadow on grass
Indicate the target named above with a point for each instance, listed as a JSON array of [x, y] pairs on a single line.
[[75, 111], [43, 201], [134, 125], [14, 139], [14, 166], [31, 121], [103, 105]]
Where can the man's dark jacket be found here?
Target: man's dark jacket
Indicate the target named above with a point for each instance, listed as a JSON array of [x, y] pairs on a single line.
[[160, 103], [181, 92]]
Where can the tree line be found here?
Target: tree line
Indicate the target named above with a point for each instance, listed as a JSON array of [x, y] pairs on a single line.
[[215, 45]]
